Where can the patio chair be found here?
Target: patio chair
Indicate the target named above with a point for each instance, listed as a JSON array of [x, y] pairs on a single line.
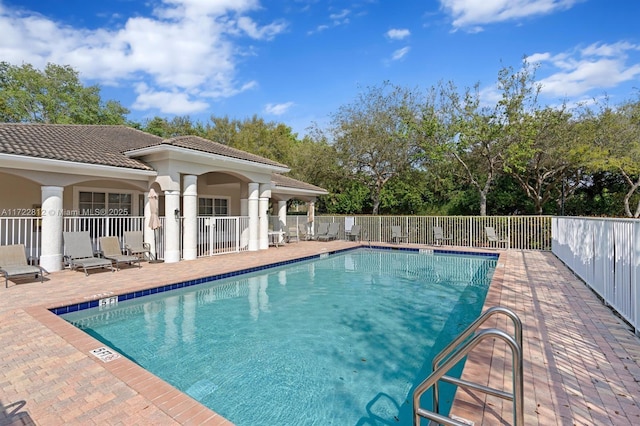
[[134, 245], [332, 232], [494, 238], [79, 252], [354, 233], [13, 263], [110, 248], [397, 236], [438, 235], [323, 228], [302, 232], [291, 234]]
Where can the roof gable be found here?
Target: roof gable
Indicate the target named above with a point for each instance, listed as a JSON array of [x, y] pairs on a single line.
[[210, 147], [285, 181]]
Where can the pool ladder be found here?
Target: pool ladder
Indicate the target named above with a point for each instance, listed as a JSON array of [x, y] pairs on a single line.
[[455, 351]]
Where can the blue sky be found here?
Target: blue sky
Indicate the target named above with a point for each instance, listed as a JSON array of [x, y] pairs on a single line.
[[298, 61]]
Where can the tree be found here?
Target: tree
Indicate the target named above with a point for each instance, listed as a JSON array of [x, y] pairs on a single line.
[[471, 135], [372, 137], [54, 95], [541, 158], [222, 129], [614, 146], [272, 140], [177, 126]]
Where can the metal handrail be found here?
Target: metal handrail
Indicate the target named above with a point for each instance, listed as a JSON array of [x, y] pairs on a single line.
[[517, 324], [439, 371]]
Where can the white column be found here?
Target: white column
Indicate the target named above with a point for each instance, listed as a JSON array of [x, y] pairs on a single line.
[[282, 217], [190, 214], [311, 214], [254, 221], [172, 226], [282, 212], [263, 207], [51, 249], [148, 234]]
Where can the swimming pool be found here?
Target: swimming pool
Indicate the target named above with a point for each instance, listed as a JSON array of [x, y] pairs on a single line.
[[339, 340]]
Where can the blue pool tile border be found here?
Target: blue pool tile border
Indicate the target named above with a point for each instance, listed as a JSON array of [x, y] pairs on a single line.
[[175, 286]]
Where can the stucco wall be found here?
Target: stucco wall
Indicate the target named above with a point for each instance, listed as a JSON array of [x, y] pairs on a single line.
[[18, 195]]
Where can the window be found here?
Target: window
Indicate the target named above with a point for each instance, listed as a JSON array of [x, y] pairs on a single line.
[[104, 204], [221, 206], [213, 207], [205, 207]]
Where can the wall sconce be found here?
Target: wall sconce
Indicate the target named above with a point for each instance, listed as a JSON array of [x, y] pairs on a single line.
[[177, 214]]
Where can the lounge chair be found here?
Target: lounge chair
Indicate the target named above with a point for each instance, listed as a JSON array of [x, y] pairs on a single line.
[[354, 233], [332, 232], [110, 248], [302, 232], [291, 234], [79, 252], [438, 235], [494, 238], [134, 245], [13, 263], [322, 230], [397, 236]]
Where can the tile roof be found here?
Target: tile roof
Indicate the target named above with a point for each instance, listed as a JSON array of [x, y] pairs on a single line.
[[99, 144], [90, 144], [108, 145], [285, 181], [205, 145]]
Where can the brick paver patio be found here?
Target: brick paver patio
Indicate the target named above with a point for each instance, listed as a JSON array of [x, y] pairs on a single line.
[[581, 362]]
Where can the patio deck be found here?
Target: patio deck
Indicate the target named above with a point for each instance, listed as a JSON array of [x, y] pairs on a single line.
[[581, 362]]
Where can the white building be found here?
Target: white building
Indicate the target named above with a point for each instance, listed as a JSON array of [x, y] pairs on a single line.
[[82, 177]]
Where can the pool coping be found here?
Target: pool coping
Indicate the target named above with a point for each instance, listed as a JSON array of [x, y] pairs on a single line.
[[176, 404]]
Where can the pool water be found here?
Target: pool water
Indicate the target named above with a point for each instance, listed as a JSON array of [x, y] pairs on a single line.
[[341, 340]]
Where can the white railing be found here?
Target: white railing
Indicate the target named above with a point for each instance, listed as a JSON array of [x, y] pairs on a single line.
[[523, 232], [605, 254], [216, 235], [102, 226], [220, 235], [22, 230]]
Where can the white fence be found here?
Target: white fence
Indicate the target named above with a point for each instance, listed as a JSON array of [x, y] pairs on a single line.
[[220, 235], [22, 230], [522, 232], [605, 253], [103, 226], [216, 235]]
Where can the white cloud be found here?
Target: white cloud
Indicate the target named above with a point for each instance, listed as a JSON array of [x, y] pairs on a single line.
[[472, 14], [318, 29], [341, 17], [538, 57], [398, 34], [596, 67], [267, 32], [166, 102], [278, 109], [189, 46], [400, 53]]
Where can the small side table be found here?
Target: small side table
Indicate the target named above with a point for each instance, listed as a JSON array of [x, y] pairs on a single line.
[[275, 238]]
